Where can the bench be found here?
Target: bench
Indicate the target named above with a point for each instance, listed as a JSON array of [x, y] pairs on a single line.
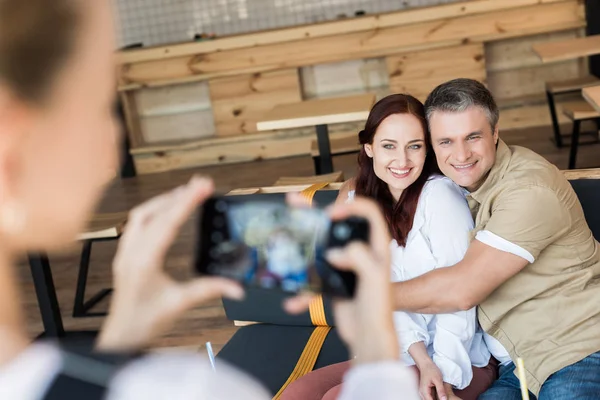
[[565, 87], [577, 112], [337, 176], [102, 227], [339, 146]]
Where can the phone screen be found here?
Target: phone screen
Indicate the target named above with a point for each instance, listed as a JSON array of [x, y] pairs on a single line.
[[270, 245]]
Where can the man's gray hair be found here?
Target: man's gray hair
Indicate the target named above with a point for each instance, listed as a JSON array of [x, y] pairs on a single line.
[[458, 95]]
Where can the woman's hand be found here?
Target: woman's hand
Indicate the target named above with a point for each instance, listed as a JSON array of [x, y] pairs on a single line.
[[146, 301], [364, 322], [431, 380]]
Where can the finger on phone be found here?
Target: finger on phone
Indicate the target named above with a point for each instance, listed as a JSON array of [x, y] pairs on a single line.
[[368, 209], [356, 257], [298, 304], [204, 289], [186, 201]]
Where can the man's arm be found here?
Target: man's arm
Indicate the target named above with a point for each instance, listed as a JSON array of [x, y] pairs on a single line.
[[460, 287]]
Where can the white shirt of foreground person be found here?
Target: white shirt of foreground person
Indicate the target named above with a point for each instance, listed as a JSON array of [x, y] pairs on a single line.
[[189, 376], [439, 238]]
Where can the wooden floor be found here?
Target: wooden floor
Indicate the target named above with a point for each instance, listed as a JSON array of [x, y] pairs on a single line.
[[208, 322]]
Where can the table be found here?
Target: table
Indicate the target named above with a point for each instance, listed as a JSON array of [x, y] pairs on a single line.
[[592, 96], [568, 49], [101, 227], [319, 113]]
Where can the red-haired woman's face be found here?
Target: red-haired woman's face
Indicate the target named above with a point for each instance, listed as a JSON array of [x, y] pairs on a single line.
[[398, 151]]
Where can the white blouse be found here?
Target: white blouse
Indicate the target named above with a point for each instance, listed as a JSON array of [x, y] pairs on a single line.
[[439, 238]]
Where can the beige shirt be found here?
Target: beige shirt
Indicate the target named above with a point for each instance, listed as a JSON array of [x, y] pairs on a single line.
[[549, 313]]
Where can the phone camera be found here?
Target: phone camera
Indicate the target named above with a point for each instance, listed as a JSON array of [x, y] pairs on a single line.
[[342, 231]]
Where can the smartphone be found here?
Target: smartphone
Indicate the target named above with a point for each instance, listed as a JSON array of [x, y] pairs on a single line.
[[268, 244]]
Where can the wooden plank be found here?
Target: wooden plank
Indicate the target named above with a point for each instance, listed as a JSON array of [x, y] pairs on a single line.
[[580, 110], [592, 96], [281, 189], [227, 150], [239, 102], [318, 112], [310, 180], [529, 116], [376, 21], [568, 49], [132, 119], [371, 43], [590, 173], [529, 81], [515, 53], [174, 99], [191, 125], [418, 73]]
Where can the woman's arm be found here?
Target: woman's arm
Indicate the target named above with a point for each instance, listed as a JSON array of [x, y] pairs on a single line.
[[349, 185]]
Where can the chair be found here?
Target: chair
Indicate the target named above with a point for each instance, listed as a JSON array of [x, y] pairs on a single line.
[[103, 227], [577, 112], [564, 87]]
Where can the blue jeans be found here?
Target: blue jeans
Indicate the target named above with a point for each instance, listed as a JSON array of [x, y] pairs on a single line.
[[579, 381]]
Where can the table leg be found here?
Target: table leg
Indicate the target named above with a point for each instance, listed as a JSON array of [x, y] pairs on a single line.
[[46, 295], [324, 149]]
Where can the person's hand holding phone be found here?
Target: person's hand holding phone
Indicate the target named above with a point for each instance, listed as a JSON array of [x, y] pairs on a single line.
[[146, 301], [365, 322]]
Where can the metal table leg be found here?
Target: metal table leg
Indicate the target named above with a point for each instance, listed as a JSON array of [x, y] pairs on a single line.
[[324, 150], [46, 295]]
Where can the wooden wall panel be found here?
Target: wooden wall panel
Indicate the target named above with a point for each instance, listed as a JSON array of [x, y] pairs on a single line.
[[239, 102], [177, 112], [530, 81], [514, 71], [420, 72], [370, 43]]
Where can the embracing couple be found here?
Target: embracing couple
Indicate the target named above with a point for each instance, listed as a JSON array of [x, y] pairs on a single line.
[[492, 257]]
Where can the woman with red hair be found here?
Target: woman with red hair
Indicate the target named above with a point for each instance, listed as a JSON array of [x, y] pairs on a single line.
[[429, 221]]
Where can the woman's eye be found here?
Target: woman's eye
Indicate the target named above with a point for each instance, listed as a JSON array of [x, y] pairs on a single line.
[[388, 146], [415, 147]]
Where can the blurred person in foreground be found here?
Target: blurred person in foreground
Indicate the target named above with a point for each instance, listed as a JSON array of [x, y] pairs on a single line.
[[57, 153]]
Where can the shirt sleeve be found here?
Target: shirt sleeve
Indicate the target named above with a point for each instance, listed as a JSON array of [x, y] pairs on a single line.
[[530, 217], [452, 342], [184, 376], [411, 328], [382, 381], [448, 223]]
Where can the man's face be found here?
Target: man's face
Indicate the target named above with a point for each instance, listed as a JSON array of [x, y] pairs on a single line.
[[464, 145]]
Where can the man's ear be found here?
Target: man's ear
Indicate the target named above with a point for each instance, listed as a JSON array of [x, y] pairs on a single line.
[[495, 135], [369, 150]]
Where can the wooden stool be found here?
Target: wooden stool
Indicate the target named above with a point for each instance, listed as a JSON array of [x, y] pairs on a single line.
[[564, 87], [309, 180], [339, 146], [102, 227], [578, 111]]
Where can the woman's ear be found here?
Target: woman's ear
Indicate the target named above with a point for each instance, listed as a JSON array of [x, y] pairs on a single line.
[[368, 149]]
